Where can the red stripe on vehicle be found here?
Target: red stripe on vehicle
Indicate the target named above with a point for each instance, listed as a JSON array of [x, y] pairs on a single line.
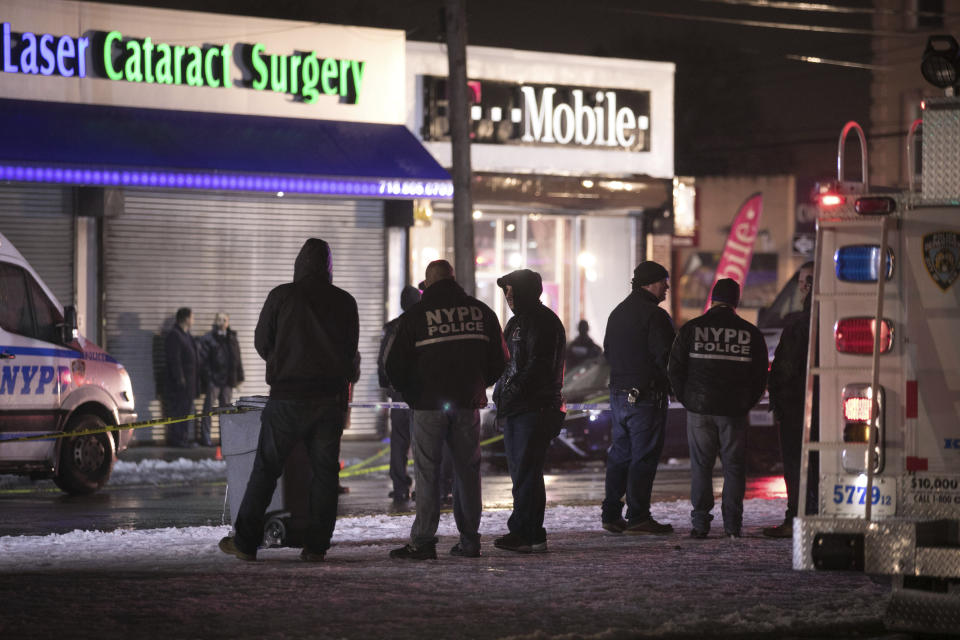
[[911, 408]]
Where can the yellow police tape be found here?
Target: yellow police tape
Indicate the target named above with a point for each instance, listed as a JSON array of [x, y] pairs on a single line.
[[360, 468]]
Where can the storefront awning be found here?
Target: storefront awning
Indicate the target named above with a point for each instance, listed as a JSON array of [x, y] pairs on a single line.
[[119, 146]]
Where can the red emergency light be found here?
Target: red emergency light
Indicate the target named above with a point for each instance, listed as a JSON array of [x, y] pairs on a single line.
[[857, 402], [830, 200], [855, 335], [875, 206]]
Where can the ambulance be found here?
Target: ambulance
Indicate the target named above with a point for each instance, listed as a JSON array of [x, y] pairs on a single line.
[[881, 448], [54, 381]]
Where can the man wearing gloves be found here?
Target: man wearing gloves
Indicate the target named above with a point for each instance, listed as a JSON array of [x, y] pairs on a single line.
[[529, 404], [637, 345], [718, 370]]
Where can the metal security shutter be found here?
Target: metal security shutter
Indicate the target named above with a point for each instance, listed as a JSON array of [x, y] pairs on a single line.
[[38, 220], [216, 251]]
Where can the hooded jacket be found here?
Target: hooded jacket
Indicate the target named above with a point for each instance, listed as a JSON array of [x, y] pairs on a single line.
[[718, 364], [308, 331], [447, 350], [535, 337]]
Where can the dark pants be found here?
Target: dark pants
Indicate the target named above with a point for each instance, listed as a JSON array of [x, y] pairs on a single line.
[[284, 423], [460, 430], [179, 433], [708, 436], [223, 397], [637, 441], [399, 446], [526, 438], [790, 424]]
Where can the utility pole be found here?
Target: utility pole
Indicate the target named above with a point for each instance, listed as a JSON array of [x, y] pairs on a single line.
[[456, 22]]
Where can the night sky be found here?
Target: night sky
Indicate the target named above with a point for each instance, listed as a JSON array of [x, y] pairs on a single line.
[[742, 106]]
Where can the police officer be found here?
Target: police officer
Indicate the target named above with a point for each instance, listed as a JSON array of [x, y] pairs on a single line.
[[718, 370], [447, 350], [637, 345], [529, 402]]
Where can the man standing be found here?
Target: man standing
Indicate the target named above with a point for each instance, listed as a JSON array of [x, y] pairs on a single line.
[[788, 377], [399, 418], [583, 347], [222, 369], [718, 370], [307, 332], [448, 349], [637, 345], [529, 400], [181, 385]]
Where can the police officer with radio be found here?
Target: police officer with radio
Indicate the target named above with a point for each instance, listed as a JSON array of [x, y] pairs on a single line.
[[718, 371], [637, 345]]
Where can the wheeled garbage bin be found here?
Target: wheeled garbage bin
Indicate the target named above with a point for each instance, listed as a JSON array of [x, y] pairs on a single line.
[[286, 517]]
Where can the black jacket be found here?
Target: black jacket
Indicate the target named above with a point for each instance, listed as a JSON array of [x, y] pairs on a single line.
[[718, 364], [386, 337], [180, 350], [582, 349], [789, 369], [308, 331], [447, 350], [535, 338], [637, 343], [220, 358]]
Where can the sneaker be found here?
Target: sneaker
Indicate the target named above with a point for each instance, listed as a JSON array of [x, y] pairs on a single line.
[[312, 556], [228, 546], [511, 542], [784, 530], [539, 547], [648, 527], [615, 526], [460, 552], [699, 534], [410, 552], [399, 496]]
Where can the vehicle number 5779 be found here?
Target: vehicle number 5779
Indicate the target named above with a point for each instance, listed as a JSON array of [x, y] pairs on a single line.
[[851, 494]]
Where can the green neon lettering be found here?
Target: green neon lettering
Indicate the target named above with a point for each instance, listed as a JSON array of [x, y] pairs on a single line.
[[356, 70], [208, 57], [259, 67], [164, 76], [311, 74], [111, 71], [344, 68], [194, 65], [327, 71], [178, 52], [225, 52], [148, 59], [295, 74], [131, 69], [278, 74]]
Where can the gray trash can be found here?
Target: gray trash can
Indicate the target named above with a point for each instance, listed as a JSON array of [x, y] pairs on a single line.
[[285, 522]]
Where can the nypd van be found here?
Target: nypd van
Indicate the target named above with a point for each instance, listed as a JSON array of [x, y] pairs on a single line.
[[55, 381]]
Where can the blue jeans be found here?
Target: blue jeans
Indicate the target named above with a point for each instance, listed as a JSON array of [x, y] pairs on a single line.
[[637, 441], [284, 423], [526, 438], [708, 436], [460, 430]]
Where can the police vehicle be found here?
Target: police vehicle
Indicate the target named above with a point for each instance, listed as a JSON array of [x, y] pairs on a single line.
[[55, 381], [883, 382]]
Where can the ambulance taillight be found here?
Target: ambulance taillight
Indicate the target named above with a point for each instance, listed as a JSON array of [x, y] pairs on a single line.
[[855, 335], [875, 206], [856, 399]]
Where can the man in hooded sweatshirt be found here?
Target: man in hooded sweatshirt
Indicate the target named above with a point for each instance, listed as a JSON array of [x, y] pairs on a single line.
[[308, 333], [529, 404], [447, 350]]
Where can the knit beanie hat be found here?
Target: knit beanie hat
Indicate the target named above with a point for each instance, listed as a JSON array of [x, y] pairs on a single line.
[[648, 272], [727, 291]]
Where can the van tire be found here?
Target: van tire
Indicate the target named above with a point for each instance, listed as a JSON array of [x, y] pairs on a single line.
[[85, 461]]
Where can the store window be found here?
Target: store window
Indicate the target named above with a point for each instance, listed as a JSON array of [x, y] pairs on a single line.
[[697, 277]]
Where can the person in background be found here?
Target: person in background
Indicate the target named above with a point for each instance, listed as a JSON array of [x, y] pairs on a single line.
[[181, 384], [221, 368], [582, 348], [399, 418], [529, 404], [308, 333], [447, 350], [718, 371], [788, 377], [637, 345]]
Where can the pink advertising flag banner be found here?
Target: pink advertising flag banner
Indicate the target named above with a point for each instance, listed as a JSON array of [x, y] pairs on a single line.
[[738, 251]]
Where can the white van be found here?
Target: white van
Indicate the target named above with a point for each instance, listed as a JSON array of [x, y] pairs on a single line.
[[52, 380]]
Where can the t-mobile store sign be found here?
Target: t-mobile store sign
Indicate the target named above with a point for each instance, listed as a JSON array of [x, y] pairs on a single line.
[[535, 114]]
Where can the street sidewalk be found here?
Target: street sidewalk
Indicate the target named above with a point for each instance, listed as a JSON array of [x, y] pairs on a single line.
[[351, 451]]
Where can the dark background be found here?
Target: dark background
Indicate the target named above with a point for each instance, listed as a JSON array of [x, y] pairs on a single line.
[[742, 107]]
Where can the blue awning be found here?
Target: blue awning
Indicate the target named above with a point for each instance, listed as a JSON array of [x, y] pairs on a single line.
[[120, 146]]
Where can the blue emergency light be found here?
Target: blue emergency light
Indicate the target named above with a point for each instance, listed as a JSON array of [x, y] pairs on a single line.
[[858, 263]]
